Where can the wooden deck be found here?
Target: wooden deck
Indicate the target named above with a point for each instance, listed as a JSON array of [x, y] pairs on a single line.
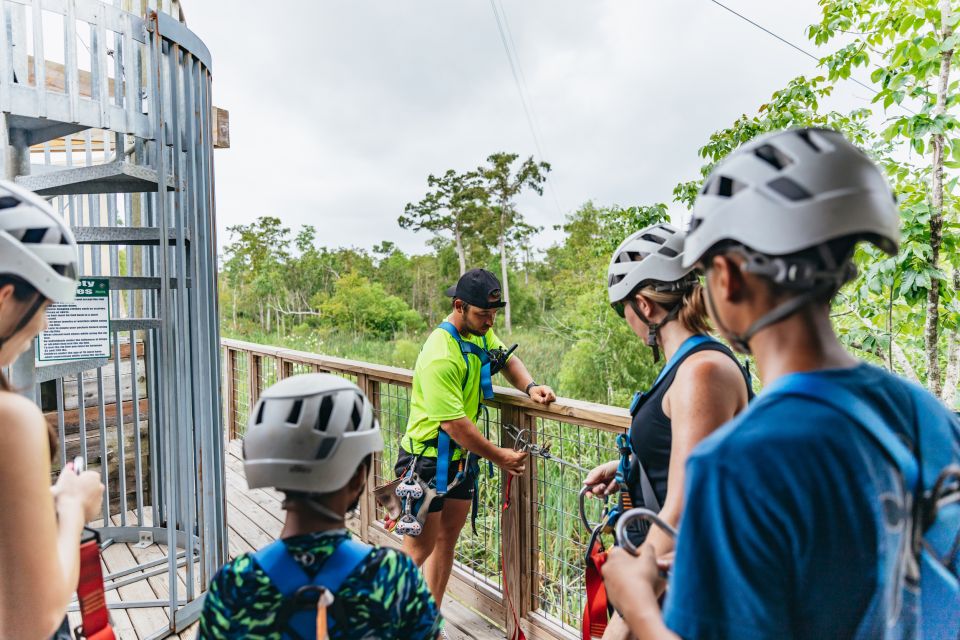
[[254, 519]]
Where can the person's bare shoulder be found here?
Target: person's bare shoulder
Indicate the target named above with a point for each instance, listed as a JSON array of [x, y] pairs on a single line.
[[22, 427], [709, 368]]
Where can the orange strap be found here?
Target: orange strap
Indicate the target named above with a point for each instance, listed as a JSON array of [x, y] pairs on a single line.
[[93, 605], [595, 610]]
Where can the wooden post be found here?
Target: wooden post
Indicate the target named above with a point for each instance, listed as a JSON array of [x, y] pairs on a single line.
[[514, 530], [253, 371], [230, 384], [373, 393], [367, 505]]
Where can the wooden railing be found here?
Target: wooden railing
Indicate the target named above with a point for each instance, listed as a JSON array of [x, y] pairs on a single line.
[[540, 536]]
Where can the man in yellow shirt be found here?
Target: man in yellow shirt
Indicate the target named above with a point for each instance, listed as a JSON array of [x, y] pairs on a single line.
[[449, 381]]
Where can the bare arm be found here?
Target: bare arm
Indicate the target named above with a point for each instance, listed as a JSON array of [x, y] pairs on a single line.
[[39, 556], [516, 372], [467, 435], [707, 392]]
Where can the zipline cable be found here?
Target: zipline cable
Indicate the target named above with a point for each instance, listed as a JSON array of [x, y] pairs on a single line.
[[798, 48], [519, 80]]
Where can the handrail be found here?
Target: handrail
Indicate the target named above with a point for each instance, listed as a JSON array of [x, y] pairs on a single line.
[[596, 415]]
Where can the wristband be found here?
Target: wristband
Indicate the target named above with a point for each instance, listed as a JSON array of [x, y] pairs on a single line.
[[530, 386]]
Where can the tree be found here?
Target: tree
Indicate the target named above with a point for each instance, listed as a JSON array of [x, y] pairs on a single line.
[[900, 310], [504, 185], [455, 204], [913, 43], [255, 260]]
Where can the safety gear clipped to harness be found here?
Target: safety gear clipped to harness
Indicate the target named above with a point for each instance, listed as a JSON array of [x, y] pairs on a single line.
[[407, 503], [307, 602], [95, 618]]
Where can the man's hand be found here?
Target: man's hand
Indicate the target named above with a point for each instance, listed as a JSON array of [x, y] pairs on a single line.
[[542, 394], [513, 462], [633, 581]]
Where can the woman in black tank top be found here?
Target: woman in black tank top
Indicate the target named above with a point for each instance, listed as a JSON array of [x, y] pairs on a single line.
[[702, 386]]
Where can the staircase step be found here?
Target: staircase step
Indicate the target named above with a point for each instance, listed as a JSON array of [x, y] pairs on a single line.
[[124, 236], [40, 130], [114, 177]]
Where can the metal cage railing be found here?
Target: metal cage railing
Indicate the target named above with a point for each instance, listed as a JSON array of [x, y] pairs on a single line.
[[108, 113]]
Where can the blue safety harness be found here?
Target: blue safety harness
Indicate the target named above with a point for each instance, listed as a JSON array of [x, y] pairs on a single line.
[[486, 388], [290, 579]]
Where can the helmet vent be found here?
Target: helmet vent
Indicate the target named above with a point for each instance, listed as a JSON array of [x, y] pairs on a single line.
[[667, 251], [723, 186], [773, 156], [295, 410], [8, 202], [804, 134], [325, 448], [789, 189], [357, 414], [326, 408], [649, 237], [33, 236], [260, 413]]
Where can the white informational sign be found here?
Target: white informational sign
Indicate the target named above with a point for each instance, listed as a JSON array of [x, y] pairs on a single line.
[[80, 329]]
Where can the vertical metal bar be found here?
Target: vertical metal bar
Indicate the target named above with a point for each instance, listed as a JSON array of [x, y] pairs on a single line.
[[61, 423], [167, 354], [39, 60], [187, 347], [71, 73], [6, 63], [104, 456], [138, 458], [81, 417]]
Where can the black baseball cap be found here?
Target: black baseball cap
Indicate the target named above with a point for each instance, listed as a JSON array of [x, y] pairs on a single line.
[[476, 287]]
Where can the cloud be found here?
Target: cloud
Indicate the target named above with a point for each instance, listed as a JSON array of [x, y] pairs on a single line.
[[339, 110]]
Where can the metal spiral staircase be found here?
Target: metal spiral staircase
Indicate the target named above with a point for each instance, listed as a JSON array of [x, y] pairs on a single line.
[[105, 108]]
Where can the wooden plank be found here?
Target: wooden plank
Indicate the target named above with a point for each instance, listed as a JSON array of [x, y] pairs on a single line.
[[465, 624], [221, 128], [148, 620]]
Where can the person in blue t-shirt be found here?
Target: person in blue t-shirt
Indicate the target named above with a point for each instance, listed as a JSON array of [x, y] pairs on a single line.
[[796, 521]]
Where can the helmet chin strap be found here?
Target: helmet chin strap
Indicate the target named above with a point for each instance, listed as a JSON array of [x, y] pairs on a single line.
[[27, 317], [741, 342], [653, 328]]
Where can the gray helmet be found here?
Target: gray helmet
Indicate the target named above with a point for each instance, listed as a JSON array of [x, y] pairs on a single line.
[[36, 245], [788, 191], [649, 256], [309, 433], [783, 194]]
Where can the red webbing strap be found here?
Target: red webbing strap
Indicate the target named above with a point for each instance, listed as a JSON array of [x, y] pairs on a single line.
[[595, 610], [517, 631], [93, 606]]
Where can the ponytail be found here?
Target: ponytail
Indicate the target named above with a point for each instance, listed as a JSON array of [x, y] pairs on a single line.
[[692, 307], [693, 310]]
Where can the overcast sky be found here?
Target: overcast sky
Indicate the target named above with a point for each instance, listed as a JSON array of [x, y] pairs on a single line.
[[340, 110]]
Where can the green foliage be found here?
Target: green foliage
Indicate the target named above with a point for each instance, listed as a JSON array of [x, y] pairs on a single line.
[[405, 353], [365, 307]]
